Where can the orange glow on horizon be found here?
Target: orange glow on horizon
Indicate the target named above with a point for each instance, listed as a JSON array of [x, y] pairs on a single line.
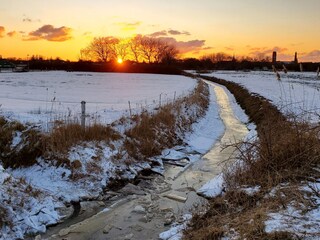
[[240, 28]]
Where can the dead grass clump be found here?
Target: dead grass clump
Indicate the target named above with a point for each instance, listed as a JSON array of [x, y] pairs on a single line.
[[285, 152], [152, 134], [234, 214], [26, 152], [281, 236], [4, 217], [93, 168], [241, 199], [65, 136], [34, 144], [206, 233]]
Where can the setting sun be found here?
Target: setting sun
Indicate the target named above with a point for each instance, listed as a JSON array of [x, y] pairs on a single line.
[[120, 60]]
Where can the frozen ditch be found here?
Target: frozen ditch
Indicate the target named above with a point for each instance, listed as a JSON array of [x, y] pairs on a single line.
[[155, 203]]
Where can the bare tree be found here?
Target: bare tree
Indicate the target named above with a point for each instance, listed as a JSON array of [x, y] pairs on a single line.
[[166, 53], [101, 49], [209, 57], [260, 57], [157, 50], [140, 47], [135, 47], [148, 48], [221, 56], [121, 49]]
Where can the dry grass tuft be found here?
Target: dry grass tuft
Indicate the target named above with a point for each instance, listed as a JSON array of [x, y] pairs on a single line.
[[4, 218], [285, 152], [63, 137], [26, 152]]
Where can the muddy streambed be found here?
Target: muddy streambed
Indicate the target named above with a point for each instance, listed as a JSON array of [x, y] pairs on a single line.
[[144, 210]]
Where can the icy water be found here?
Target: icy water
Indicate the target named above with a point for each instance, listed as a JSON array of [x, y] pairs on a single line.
[[163, 199]]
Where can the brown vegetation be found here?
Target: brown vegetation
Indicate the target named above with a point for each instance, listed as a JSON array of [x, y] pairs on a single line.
[[286, 152], [155, 132], [63, 136], [149, 135], [25, 152]]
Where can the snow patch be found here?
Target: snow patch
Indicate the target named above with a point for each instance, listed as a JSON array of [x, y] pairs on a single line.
[[213, 188], [175, 232]]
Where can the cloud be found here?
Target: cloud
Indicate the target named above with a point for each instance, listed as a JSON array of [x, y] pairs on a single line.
[[313, 56], [255, 51], [12, 34], [29, 20], [229, 48], [2, 31], [185, 46], [176, 32], [159, 34], [50, 33], [168, 32], [314, 53], [128, 26], [278, 49], [285, 57], [296, 44]]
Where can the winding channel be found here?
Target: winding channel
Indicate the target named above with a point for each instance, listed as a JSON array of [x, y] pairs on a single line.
[[143, 216]]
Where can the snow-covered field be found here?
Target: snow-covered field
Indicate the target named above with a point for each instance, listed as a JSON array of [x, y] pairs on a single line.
[[35, 197], [41, 97], [297, 92]]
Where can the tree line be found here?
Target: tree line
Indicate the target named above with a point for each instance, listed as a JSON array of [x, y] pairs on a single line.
[[139, 49]]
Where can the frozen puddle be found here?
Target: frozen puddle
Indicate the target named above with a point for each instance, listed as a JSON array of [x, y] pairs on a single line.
[[158, 202]]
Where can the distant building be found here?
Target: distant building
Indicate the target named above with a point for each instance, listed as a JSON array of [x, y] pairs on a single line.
[[295, 57], [274, 57], [6, 66]]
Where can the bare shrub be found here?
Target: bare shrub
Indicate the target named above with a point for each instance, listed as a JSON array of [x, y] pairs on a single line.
[[284, 152]]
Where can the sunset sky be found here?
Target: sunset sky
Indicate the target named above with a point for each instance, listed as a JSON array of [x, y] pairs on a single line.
[[60, 28]]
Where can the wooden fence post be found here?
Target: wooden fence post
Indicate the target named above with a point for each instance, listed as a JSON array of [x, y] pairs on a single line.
[[83, 114], [130, 109]]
